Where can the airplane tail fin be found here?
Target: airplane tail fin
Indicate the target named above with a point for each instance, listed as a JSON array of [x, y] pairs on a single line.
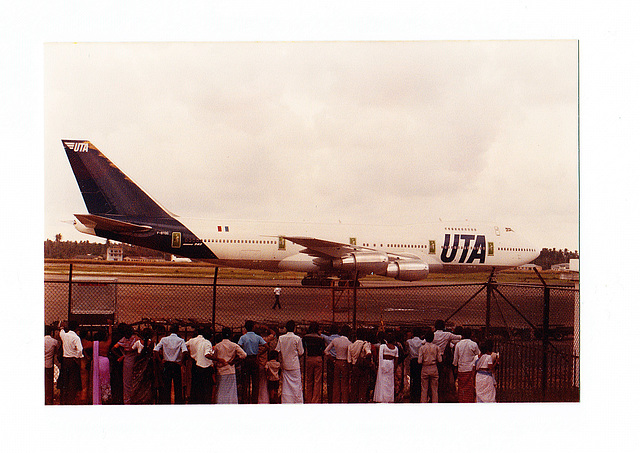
[[106, 190]]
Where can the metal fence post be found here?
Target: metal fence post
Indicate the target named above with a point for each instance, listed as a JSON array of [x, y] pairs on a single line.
[[355, 284], [487, 319], [545, 340], [576, 335], [213, 307], [70, 286]]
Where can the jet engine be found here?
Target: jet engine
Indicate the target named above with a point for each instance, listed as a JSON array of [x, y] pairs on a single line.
[[408, 270], [365, 262], [379, 264]]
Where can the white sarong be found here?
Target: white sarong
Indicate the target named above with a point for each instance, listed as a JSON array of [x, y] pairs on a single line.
[[227, 391], [485, 382], [291, 387]]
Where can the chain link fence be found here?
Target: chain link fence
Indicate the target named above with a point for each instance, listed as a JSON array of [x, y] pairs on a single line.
[[535, 327]]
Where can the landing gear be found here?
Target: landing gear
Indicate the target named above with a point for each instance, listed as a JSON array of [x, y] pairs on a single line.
[[348, 283], [319, 280], [316, 280]]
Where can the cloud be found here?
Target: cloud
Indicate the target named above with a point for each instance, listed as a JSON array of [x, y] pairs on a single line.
[[377, 132]]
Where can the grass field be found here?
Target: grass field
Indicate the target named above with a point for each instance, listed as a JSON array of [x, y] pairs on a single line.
[[200, 270]]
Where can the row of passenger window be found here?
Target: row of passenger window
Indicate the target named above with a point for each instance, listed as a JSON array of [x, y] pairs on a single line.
[[238, 241], [515, 249]]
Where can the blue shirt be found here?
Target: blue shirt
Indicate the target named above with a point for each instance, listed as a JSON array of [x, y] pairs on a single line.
[[328, 339], [251, 342], [171, 347]]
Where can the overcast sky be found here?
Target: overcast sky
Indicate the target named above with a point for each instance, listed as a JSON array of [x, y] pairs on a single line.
[[366, 132]]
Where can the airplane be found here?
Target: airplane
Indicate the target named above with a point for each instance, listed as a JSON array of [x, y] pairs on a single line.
[[120, 210]]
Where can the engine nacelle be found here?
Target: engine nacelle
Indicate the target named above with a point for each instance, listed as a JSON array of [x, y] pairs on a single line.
[[407, 270], [378, 263], [365, 262]]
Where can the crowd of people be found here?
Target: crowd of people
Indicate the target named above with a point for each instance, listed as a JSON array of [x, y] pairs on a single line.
[[267, 364]]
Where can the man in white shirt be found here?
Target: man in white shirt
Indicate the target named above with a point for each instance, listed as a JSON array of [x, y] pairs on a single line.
[[445, 341], [360, 358], [428, 358], [172, 351], [341, 369], [464, 357], [202, 370], [290, 348], [70, 366], [227, 354]]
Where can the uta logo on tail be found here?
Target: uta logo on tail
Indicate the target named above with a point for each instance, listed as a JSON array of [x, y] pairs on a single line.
[[78, 147]]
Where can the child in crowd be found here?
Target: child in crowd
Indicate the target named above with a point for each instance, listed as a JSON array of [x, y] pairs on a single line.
[[273, 377]]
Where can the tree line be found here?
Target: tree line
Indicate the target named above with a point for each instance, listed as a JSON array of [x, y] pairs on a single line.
[[60, 249], [549, 257]]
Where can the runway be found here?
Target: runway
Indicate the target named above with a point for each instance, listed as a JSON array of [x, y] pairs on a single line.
[[386, 303]]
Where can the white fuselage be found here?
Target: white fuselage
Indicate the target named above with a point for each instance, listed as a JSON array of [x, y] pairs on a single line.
[[451, 246]]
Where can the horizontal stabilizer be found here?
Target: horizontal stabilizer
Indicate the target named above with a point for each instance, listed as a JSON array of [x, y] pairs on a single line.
[[116, 226]]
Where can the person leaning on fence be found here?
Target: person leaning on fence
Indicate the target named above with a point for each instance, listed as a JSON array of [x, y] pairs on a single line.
[[100, 368], [464, 357], [359, 355], [50, 350], [200, 349], [341, 369], [314, 347], [413, 346], [226, 354], [172, 351], [128, 359], [331, 358], [485, 380], [290, 348], [263, 357], [145, 379], [70, 377], [387, 359], [272, 373], [428, 357], [250, 342], [445, 342], [399, 373]]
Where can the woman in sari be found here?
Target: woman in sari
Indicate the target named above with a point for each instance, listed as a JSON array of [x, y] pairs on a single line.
[[128, 360], [144, 382], [385, 379], [485, 381], [100, 372]]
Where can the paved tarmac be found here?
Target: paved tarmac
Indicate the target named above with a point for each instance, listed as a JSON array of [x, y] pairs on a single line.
[[378, 302]]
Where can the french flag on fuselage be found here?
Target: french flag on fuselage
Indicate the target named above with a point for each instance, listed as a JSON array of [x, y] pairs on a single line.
[[221, 229]]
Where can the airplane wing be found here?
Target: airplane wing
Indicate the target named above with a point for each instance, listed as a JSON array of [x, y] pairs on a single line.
[[322, 248], [104, 223], [329, 249]]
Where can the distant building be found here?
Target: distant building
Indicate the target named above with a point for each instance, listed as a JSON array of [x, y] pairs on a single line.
[[560, 267], [143, 258], [179, 259], [114, 253]]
